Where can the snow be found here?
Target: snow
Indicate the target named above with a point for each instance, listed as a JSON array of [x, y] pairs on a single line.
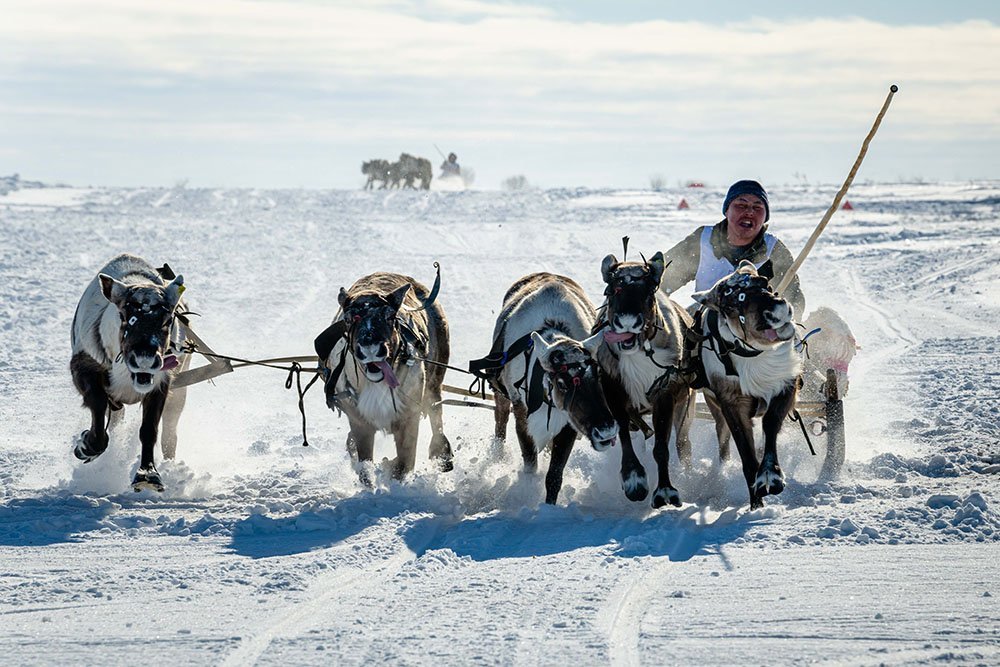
[[264, 551]]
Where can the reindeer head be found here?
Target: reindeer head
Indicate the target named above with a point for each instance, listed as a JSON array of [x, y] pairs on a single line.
[[752, 310], [147, 313], [373, 338], [631, 305], [573, 385]]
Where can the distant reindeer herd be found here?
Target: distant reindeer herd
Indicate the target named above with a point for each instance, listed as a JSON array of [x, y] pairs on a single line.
[[563, 367], [404, 173]]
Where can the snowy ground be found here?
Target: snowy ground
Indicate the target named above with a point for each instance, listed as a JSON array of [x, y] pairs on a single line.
[[263, 551]]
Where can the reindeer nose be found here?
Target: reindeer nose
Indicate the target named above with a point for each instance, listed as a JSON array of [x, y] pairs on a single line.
[[616, 322], [372, 351], [157, 362]]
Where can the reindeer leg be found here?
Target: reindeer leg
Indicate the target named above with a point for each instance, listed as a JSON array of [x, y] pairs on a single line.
[[361, 445], [770, 479], [146, 477], [562, 445], [529, 451], [176, 398], [440, 447], [89, 378], [738, 414], [501, 414], [405, 435], [722, 432], [663, 414], [632, 473], [683, 418]]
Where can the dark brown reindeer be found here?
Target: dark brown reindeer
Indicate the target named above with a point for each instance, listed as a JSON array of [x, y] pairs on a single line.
[[372, 354], [751, 367], [552, 384], [126, 334], [376, 170], [641, 357]]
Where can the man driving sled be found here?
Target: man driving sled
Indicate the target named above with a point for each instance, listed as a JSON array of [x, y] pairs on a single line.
[[713, 252]]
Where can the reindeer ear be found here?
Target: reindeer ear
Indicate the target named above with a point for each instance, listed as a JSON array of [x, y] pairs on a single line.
[[395, 298], [342, 297], [542, 349], [746, 264], [173, 291], [766, 270], [656, 266], [113, 290], [708, 298], [593, 344], [607, 266]]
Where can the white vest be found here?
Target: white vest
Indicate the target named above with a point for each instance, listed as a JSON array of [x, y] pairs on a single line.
[[712, 269]]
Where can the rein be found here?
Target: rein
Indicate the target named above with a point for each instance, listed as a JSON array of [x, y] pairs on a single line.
[[294, 371]]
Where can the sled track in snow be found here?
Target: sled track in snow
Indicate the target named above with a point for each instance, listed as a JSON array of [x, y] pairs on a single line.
[[627, 607], [975, 261], [288, 621], [898, 339]]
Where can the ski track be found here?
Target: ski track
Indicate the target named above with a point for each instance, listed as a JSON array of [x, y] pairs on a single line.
[[265, 552]]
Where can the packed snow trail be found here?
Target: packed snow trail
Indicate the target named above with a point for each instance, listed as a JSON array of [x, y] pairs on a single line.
[[263, 551]]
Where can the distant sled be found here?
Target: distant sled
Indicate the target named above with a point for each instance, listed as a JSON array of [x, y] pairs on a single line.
[[455, 182]]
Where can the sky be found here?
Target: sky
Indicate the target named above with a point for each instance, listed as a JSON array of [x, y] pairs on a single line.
[[297, 93]]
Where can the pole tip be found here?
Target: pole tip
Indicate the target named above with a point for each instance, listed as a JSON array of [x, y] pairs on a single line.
[[894, 88]]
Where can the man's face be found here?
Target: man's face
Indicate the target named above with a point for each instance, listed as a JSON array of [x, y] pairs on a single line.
[[745, 216]]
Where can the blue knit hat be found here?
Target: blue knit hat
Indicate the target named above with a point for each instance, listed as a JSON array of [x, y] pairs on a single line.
[[747, 188]]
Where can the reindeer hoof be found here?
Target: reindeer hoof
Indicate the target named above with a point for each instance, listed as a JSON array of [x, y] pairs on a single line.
[[86, 449], [770, 482], [147, 478], [446, 465], [666, 495], [635, 486]]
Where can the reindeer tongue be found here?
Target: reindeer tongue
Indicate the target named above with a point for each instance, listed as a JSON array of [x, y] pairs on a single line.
[[169, 361], [390, 377], [770, 334], [614, 337]]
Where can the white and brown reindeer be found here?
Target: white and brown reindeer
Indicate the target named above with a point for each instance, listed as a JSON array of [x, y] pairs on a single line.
[[552, 384], [747, 350], [373, 355], [126, 336], [642, 358]]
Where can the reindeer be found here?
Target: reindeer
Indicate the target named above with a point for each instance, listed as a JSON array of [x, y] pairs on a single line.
[[751, 367], [125, 339], [410, 168], [373, 355], [642, 359], [553, 383], [376, 170]]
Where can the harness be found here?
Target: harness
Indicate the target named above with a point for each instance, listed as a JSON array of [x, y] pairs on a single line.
[[488, 369], [135, 312], [414, 348]]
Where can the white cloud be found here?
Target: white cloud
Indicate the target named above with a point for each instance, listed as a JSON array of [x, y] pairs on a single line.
[[489, 70]]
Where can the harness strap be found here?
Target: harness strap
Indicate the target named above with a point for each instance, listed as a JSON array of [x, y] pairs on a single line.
[[489, 366], [724, 349], [536, 391], [409, 335], [693, 339], [332, 377]]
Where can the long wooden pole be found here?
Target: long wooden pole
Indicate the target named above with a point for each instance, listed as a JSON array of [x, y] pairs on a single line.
[[783, 285]]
